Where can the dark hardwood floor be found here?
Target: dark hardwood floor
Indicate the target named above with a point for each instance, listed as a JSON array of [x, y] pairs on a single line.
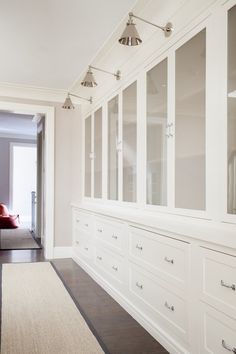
[[115, 328]]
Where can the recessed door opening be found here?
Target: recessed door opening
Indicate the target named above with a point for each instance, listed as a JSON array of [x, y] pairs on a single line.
[[22, 180]]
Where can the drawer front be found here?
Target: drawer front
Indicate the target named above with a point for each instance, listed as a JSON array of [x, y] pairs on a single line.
[[111, 264], [82, 221], [167, 256], [161, 302], [218, 333], [219, 280], [83, 244], [111, 234]]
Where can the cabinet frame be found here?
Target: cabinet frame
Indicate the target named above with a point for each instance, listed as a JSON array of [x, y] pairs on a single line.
[[215, 126]]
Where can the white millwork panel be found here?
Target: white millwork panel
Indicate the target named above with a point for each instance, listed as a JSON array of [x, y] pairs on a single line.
[[161, 235]]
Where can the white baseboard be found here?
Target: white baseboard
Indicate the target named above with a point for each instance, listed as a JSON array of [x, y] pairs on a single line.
[[162, 337], [62, 252]]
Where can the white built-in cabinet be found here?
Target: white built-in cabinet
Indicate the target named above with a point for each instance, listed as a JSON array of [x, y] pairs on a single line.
[[164, 138], [156, 226]]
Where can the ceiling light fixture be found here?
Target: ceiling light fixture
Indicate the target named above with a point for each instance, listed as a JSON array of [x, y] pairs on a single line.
[[89, 80], [130, 35], [68, 103]]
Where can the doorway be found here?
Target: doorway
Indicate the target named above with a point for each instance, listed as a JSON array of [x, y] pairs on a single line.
[[45, 172]]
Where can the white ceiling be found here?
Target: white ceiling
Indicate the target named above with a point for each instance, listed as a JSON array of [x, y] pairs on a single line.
[[49, 43], [12, 124]]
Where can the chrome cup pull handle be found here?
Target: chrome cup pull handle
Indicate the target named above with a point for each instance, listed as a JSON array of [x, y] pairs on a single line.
[[86, 225], [115, 237], [140, 286], [139, 247], [168, 260], [227, 347], [99, 257], [229, 286], [86, 248], [115, 268], [171, 308], [99, 230]]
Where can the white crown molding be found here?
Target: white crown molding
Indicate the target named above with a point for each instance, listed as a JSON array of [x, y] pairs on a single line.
[[32, 92], [17, 136]]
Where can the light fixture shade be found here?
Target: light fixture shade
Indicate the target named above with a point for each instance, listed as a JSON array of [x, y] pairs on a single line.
[[68, 103], [130, 35], [89, 80]]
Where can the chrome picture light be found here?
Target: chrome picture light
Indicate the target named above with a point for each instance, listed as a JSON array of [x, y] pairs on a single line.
[[89, 80], [130, 36], [68, 103]]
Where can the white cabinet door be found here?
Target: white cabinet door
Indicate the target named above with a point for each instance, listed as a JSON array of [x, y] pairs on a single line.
[[231, 111], [190, 86], [88, 161], [98, 153], [156, 166], [129, 142], [113, 148]]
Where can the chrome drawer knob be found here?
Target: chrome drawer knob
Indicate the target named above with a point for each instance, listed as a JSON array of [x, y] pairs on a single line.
[[86, 225], [77, 220], [99, 257], [227, 347], [171, 308], [77, 242], [115, 268], [99, 230], [168, 260], [139, 247], [86, 248], [229, 286], [140, 286], [115, 237]]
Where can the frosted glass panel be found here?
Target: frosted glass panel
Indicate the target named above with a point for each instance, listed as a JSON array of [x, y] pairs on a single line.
[[129, 145], [87, 157], [112, 149], [156, 134], [232, 111], [190, 124], [98, 153]]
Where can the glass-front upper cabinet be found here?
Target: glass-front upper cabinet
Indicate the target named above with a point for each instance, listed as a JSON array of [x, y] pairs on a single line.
[[156, 173], [113, 147], [129, 142], [190, 86], [98, 153], [232, 111], [88, 164]]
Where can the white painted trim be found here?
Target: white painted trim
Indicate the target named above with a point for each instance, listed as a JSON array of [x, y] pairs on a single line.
[[17, 136], [49, 113], [162, 337], [62, 252], [32, 92]]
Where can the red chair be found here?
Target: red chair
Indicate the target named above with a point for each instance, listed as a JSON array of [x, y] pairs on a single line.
[[8, 221]]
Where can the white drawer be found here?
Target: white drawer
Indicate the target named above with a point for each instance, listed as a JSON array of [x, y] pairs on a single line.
[[111, 234], [82, 221], [218, 332], [219, 280], [112, 265], [164, 306], [83, 244], [161, 254]]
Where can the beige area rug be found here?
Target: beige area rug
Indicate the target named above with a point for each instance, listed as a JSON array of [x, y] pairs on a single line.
[[38, 314], [17, 239]]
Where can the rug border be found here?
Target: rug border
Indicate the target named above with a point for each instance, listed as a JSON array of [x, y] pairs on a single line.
[[87, 320]]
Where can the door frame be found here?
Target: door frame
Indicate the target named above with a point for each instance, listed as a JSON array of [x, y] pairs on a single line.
[[49, 112]]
